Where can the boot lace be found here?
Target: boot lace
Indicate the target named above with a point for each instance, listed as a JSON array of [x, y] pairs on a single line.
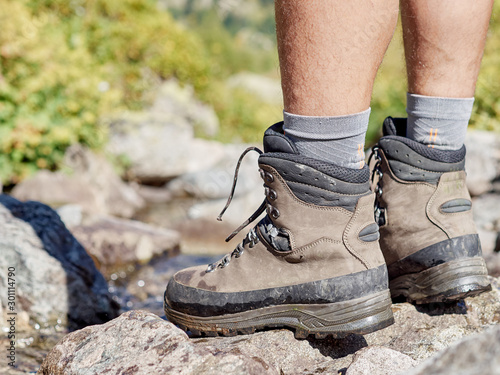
[[251, 239], [379, 211]]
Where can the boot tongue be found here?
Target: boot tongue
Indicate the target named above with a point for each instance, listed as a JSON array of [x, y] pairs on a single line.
[[394, 126], [275, 140]]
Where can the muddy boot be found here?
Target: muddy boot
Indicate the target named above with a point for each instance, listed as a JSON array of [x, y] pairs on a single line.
[[423, 208], [313, 263]]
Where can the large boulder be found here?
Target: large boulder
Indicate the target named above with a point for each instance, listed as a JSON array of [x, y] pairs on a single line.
[[475, 355], [418, 334], [141, 343], [216, 182], [180, 101], [56, 282], [422, 330], [156, 346], [116, 243], [375, 360], [160, 147], [89, 181], [486, 210], [483, 160]]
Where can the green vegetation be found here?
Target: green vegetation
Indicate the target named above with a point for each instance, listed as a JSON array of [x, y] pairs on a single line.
[[64, 64]]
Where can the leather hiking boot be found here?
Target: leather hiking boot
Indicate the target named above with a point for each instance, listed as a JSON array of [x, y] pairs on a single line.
[[312, 264], [423, 208]]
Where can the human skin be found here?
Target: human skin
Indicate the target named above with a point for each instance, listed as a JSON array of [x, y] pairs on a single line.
[[444, 43], [330, 51]]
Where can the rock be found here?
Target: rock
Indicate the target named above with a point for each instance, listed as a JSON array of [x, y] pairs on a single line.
[[375, 360], [486, 210], [172, 99], [153, 194], [488, 239], [483, 160], [71, 214], [141, 343], [422, 330], [92, 184], [160, 147], [266, 89], [240, 209], [279, 349], [57, 284], [475, 355], [116, 243], [493, 264], [216, 182], [56, 189], [118, 198], [136, 338]]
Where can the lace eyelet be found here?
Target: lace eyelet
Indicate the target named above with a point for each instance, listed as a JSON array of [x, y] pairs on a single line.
[[272, 195], [224, 262], [275, 213], [211, 267], [269, 177]]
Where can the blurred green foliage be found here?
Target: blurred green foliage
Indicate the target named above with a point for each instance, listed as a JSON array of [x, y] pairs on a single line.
[[66, 63]]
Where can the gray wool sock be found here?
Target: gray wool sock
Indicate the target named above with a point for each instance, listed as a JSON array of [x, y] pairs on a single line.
[[438, 122], [338, 140]]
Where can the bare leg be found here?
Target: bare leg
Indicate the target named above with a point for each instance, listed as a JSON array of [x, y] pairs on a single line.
[[444, 43], [330, 51]]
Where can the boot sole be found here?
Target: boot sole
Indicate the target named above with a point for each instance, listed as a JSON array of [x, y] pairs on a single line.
[[361, 316], [447, 282]]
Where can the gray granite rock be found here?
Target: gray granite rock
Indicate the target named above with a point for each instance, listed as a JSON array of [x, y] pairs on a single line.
[[482, 161], [419, 333], [279, 349], [91, 182], [475, 355], [422, 330], [375, 360], [216, 182], [116, 243], [172, 99], [160, 146], [138, 342], [70, 214], [57, 284]]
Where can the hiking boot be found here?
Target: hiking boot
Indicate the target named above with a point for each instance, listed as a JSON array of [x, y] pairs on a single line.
[[423, 208], [312, 264]]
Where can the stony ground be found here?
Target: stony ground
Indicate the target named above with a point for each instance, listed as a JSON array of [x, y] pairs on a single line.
[[140, 342], [125, 236]]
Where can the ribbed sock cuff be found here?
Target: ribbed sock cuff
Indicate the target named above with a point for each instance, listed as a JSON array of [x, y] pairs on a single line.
[[438, 122]]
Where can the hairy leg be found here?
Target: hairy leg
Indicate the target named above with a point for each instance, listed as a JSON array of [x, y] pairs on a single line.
[[330, 51], [444, 43]]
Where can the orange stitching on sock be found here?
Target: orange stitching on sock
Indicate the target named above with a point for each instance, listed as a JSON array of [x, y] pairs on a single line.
[[361, 154]]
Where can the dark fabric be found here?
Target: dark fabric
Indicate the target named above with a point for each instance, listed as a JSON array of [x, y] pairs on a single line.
[[357, 176], [395, 128], [276, 141]]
